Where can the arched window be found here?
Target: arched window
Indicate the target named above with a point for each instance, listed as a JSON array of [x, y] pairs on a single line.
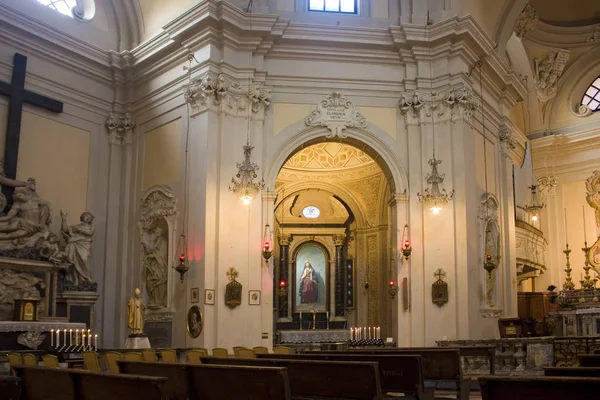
[[334, 6], [591, 98], [64, 7], [82, 10]]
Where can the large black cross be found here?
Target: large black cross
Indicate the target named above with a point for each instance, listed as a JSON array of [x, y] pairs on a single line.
[[17, 97]]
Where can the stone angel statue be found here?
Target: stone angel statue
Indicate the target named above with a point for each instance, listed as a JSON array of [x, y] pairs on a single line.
[[79, 247]]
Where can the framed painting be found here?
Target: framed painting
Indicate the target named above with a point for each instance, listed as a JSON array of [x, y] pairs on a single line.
[[209, 297], [195, 295], [194, 322], [254, 297], [310, 279]]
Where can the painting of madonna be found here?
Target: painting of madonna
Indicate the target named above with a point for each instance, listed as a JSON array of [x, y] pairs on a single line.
[[311, 275]]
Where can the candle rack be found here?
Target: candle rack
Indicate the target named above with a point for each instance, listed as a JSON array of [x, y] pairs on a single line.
[[365, 337]]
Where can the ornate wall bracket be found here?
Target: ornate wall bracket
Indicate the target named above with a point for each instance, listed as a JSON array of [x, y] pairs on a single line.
[[417, 107], [336, 113], [512, 142], [219, 93], [120, 128]]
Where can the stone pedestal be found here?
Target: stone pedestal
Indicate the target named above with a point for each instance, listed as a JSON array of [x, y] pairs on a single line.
[[78, 307], [137, 342]]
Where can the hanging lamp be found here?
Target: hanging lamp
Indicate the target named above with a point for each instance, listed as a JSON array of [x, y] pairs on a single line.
[[535, 205], [433, 197]]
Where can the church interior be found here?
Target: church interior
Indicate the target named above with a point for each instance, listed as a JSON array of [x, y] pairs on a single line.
[[263, 183]]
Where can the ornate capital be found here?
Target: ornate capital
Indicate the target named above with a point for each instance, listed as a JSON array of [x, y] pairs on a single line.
[[420, 106], [120, 128], [547, 73], [512, 142], [507, 141], [285, 239], [336, 113], [595, 36], [219, 93], [339, 240], [527, 21]]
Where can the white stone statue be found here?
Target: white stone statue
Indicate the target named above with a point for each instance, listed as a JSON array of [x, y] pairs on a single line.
[[4, 181], [156, 267], [27, 222], [135, 314], [547, 73], [79, 246]]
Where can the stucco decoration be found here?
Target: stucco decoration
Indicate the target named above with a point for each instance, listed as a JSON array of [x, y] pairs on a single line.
[[527, 21], [547, 73], [595, 36], [222, 94], [120, 128], [420, 105], [592, 186], [336, 113], [547, 186], [156, 225]]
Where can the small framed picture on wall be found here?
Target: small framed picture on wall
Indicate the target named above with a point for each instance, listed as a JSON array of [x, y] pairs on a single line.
[[195, 295], [209, 297], [254, 297]]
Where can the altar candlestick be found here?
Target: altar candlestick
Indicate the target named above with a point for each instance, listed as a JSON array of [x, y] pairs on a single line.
[[584, 232], [58, 338], [566, 230], [96, 341], [52, 337]]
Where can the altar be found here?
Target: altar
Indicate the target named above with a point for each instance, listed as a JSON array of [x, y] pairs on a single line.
[[314, 336], [25, 335]]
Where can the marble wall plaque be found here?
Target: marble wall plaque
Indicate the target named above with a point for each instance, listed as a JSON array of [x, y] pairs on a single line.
[[159, 333]]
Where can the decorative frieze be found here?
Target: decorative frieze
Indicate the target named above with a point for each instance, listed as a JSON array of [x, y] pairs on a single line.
[[527, 21], [419, 106], [547, 73], [219, 93], [336, 113], [120, 128]]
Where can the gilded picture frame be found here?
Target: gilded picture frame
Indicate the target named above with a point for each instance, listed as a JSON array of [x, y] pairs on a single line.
[[254, 297], [194, 322], [209, 297], [316, 257]]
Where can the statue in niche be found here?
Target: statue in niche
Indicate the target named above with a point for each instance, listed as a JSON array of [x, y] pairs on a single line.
[[27, 222], [79, 247], [155, 267]]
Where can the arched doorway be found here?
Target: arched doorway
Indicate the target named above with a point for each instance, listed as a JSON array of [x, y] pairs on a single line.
[[332, 198]]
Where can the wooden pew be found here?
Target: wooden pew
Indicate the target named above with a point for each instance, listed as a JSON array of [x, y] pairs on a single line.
[[591, 372], [397, 373], [217, 382], [320, 379], [589, 360], [10, 388], [441, 367], [40, 383], [539, 388]]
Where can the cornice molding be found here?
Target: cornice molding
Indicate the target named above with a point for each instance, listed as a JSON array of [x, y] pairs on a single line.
[[418, 107]]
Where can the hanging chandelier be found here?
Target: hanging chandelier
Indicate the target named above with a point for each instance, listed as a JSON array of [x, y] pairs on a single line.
[[243, 184], [535, 205], [433, 197]]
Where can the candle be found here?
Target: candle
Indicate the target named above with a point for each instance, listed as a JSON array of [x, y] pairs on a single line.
[[96, 341], [52, 337], [300, 316], [328, 315], [566, 230], [584, 233], [57, 337], [70, 337], [76, 337], [88, 333], [83, 339], [369, 332], [65, 335]]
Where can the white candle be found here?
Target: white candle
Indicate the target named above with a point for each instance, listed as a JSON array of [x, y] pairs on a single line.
[[328, 315], [96, 341], [52, 337], [58, 338], [70, 337], [351, 332], [584, 233], [65, 335], [566, 230], [76, 337], [89, 331]]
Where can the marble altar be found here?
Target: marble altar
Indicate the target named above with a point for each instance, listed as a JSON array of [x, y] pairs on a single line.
[[31, 335]]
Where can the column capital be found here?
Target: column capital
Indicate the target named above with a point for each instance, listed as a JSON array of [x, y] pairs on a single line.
[[418, 107], [339, 239], [285, 239], [120, 128], [223, 94]]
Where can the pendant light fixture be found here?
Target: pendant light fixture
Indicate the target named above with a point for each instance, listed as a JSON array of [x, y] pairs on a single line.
[[535, 205], [433, 197], [243, 184]]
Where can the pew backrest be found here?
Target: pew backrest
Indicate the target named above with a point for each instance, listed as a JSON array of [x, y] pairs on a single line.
[[592, 372], [589, 360], [41, 383], [323, 379], [177, 386]]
